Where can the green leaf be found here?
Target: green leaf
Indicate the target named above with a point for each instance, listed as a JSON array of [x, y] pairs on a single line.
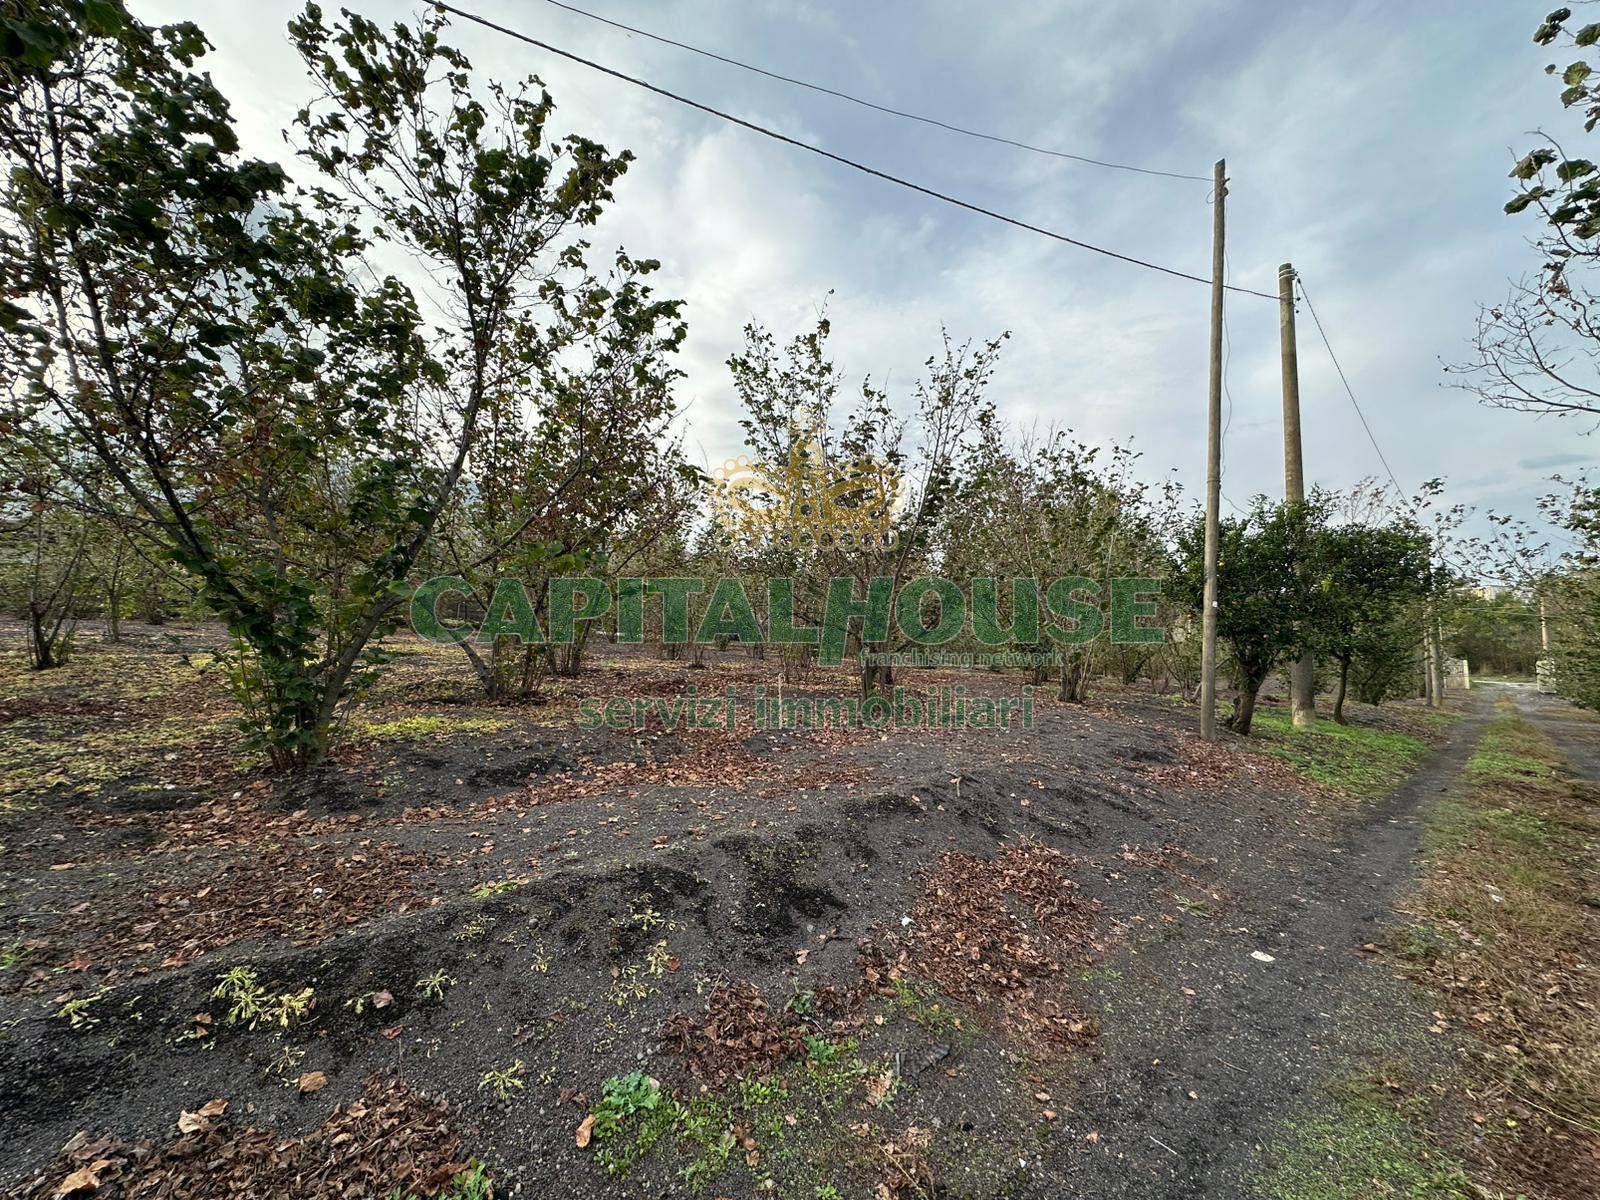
[[1532, 163], [217, 335], [1576, 74], [35, 43], [104, 17]]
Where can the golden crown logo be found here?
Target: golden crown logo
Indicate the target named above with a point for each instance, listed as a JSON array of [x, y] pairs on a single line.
[[809, 502]]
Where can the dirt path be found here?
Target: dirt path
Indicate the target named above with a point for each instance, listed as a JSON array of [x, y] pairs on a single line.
[[1207, 1047], [1573, 730]]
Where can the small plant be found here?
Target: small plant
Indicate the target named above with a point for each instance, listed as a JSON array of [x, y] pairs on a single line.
[[628, 987], [474, 929], [645, 915], [471, 1184], [246, 999], [803, 1003], [432, 986], [359, 1004], [757, 1093], [920, 1005], [11, 957], [251, 1004], [286, 1062], [826, 1191], [623, 1097], [497, 887], [76, 1012], [820, 1051], [657, 959], [291, 1007], [504, 1081], [541, 959]]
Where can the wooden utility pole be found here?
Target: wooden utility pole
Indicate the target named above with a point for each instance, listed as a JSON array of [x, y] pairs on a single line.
[[1302, 674], [1208, 625]]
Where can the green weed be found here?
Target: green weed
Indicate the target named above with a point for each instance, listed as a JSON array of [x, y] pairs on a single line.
[[504, 1080]]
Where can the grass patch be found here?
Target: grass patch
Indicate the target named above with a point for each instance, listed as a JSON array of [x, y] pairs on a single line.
[[471, 1184], [778, 1126], [1513, 751], [1510, 860], [1360, 1144], [1355, 760], [923, 1004], [429, 728]]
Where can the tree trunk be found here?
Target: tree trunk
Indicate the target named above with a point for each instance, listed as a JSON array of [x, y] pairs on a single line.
[[876, 677], [795, 661], [43, 651], [1244, 706], [532, 663], [1074, 678], [114, 612], [1338, 697], [484, 668]]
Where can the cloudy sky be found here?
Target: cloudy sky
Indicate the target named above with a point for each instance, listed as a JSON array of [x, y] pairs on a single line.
[[1368, 143]]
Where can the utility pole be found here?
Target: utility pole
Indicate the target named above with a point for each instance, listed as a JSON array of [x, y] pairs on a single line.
[[1208, 636], [1543, 668], [1436, 656], [1302, 674]]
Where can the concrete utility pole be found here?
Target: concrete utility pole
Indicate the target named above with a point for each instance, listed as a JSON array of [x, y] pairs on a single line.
[[1436, 657], [1302, 674], [1208, 635]]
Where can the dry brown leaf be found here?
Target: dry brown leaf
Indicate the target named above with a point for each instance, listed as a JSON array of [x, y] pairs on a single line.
[[192, 1122], [312, 1081], [585, 1132], [84, 1179]]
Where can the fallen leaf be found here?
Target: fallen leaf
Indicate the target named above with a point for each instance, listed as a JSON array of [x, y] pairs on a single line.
[[84, 1179], [585, 1132], [189, 1122], [312, 1081]]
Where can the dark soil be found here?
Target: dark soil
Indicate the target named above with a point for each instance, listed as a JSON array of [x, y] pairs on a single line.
[[976, 965]]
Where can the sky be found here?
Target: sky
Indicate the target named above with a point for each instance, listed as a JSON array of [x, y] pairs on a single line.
[[1367, 143]]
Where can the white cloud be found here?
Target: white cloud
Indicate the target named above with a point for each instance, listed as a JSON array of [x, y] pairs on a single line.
[[1368, 144]]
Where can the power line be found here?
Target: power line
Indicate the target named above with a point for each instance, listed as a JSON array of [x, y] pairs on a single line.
[[893, 112], [1311, 308], [839, 158]]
